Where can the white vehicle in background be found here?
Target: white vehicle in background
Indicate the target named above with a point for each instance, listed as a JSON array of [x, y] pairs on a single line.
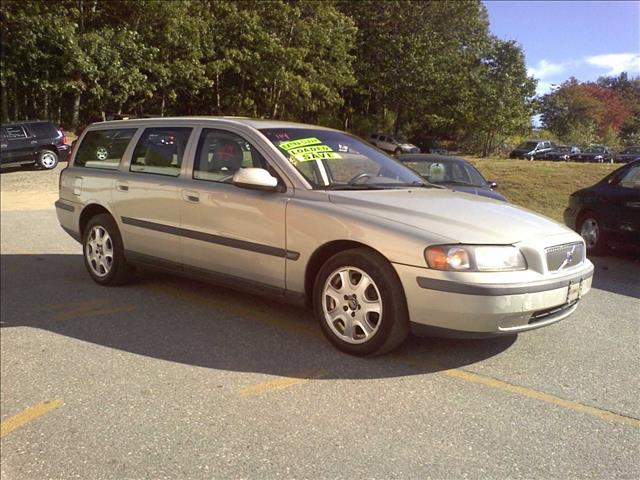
[[389, 143]]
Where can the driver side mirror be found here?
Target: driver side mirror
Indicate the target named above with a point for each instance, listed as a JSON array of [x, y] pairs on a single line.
[[255, 178], [493, 184]]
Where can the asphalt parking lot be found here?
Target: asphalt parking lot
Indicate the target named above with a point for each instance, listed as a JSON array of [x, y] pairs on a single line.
[[171, 378]]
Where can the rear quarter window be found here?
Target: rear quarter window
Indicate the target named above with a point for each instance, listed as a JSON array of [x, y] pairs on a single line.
[[103, 148], [15, 132], [44, 130]]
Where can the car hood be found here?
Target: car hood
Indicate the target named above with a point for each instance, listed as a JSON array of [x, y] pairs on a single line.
[[484, 192], [461, 217]]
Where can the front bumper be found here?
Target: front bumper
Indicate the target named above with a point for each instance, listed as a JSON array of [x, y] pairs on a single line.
[[463, 310]]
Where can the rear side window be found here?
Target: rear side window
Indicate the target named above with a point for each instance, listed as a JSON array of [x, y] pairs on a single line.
[[103, 148], [44, 130], [160, 151], [15, 132]]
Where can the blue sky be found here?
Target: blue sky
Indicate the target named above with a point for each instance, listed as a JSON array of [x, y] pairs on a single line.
[[584, 39]]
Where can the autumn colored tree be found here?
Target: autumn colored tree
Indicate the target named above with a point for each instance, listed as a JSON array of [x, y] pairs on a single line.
[[584, 112]]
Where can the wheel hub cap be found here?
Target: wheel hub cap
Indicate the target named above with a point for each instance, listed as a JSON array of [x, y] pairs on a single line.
[[352, 305], [99, 251]]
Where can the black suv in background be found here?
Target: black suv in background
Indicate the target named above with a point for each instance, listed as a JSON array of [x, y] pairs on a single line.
[[33, 142]]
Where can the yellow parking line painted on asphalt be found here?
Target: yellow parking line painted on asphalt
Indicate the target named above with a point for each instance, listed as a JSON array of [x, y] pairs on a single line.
[[485, 380], [236, 309], [88, 308], [526, 392], [84, 304], [10, 424], [84, 312], [282, 383]]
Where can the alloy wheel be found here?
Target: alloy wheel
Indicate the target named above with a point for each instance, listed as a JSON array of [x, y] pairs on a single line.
[[99, 251], [590, 231], [48, 160], [352, 305]]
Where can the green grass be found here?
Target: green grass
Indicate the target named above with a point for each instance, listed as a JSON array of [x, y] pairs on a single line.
[[541, 186]]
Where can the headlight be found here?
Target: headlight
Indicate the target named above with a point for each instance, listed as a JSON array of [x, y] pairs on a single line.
[[475, 258]]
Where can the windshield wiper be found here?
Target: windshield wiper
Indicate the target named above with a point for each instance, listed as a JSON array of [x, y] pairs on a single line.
[[357, 186], [460, 182]]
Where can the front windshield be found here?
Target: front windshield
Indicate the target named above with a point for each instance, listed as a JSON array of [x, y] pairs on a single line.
[[447, 172], [334, 160], [594, 150], [528, 146]]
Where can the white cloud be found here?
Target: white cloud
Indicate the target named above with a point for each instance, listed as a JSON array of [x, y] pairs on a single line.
[[546, 69], [616, 63]]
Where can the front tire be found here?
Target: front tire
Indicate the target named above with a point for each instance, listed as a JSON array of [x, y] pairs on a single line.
[[360, 304], [47, 159], [397, 152], [590, 229], [103, 252]]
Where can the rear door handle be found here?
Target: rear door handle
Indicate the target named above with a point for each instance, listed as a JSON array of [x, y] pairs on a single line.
[[122, 187], [190, 196]]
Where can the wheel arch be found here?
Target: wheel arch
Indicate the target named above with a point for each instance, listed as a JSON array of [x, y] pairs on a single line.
[[321, 255], [90, 211], [51, 147]]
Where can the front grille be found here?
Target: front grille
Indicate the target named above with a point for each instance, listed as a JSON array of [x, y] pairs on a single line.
[[564, 256]]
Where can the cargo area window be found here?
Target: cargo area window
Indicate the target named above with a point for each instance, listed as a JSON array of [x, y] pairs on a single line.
[[103, 148]]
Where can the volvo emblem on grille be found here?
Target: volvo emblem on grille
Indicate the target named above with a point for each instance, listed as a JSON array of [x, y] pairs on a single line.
[[568, 259]]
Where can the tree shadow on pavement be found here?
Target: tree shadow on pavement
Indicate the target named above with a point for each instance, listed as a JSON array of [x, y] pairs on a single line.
[[185, 321]]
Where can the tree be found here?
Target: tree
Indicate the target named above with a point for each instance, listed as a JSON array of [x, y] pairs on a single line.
[[577, 112], [503, 96]]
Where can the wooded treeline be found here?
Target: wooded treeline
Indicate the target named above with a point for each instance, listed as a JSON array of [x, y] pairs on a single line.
[[430, 69]]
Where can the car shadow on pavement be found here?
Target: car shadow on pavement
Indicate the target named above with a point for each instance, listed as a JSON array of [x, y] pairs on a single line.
[[619, 273], [178, 320]]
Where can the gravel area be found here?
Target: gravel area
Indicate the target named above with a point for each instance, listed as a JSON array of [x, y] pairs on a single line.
[[30, 179]]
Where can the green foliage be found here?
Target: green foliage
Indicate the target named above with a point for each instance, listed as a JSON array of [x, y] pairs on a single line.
[[606, 112], [419, 68]]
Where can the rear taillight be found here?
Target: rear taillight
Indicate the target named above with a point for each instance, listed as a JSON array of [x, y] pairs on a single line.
[[64, 137]]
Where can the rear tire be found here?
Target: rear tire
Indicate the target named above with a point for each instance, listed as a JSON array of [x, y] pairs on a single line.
[[367, 315], [47, 159], [103, 252]]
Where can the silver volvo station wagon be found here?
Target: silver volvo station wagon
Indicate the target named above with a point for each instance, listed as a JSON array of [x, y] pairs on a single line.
[[318, 217]]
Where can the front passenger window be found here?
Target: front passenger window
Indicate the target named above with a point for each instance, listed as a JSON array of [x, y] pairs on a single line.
[[221, 154], [160, 151]]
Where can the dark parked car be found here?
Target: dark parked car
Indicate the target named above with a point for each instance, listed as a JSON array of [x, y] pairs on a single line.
[[562, 152], [609, 211], [33, 142], [532, 149], [595, 153], [629, 154], [451, 172]]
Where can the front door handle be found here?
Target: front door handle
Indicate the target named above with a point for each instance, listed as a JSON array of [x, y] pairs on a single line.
[[190, 196], [122, 187]]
